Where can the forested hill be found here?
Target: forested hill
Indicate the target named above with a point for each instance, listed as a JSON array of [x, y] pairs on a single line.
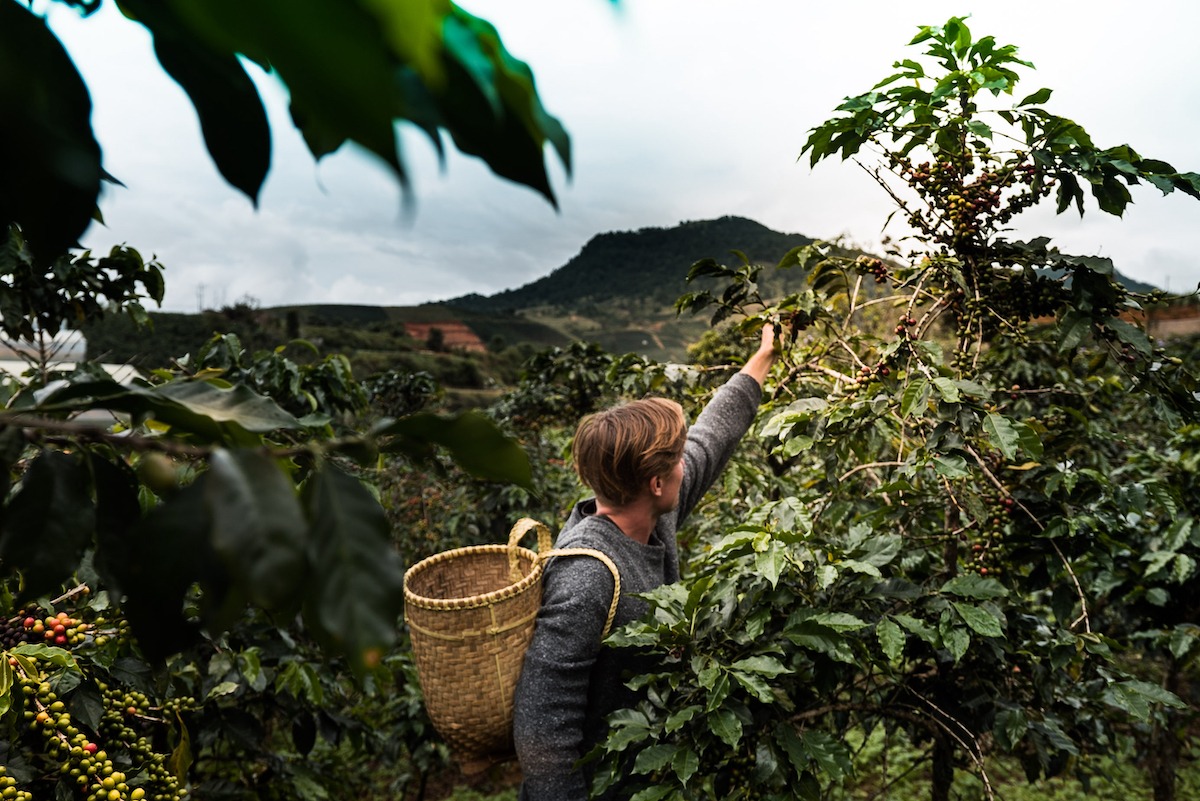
[[649, 264]]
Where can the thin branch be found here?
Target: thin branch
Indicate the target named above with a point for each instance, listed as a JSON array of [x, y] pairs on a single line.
[[853, 301], [943, 720], [869, 466]]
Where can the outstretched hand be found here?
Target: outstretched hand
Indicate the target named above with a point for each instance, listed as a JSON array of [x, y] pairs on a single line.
[[759, 364]]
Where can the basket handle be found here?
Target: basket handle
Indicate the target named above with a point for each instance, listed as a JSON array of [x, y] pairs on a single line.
[[603, 557], [518, 532]]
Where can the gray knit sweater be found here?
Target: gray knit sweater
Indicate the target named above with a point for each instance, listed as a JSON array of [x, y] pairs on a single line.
[[569, 683]]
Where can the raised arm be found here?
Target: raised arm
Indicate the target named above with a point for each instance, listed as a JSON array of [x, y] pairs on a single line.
[[759, 364]]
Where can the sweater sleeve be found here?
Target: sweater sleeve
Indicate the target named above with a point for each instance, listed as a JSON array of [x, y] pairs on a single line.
[[551, 700], [714, 436]]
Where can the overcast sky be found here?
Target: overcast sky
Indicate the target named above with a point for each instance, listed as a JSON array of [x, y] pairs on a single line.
[[677, 109]]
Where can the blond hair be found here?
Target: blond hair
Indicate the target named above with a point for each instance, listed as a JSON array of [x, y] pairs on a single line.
[[617, 451]]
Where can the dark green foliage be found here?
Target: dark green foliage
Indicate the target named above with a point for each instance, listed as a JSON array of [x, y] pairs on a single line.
[[50, 169], [43, 295], [352, 71]]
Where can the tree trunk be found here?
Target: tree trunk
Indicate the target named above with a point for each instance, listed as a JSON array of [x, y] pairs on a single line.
[[1162, 762], [942, 764]]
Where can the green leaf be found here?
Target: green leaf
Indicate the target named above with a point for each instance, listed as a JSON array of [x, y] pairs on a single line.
[[1072, 328], [474, 442], [891, 639], [1036, 99], [947, 389], [656, 793], [719, 690], [259, 529], [232, 118], [916, 396], [764, 665], [1139, 697], [49, 157], [654, 757], [301, 680], [204, 410], [1030, 442], [1002, 433], [980, 620], [917, 627], [169, 552], [770, 563], [685, 764], [48, 522], [951, 466], [821, 640], [829, 754], [1009, 727], [677, 719], [956, 641], [838, 621], [355, 594], [708, 268], [754, 684], [980, 129], [1132, 335], [48, 654], [6, 682], [489, 104], [725, 724], [1183, 640], [969, 585], [238, 404], [117, 512]]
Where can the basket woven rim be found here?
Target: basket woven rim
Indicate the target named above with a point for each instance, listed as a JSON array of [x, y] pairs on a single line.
[[470, 601]]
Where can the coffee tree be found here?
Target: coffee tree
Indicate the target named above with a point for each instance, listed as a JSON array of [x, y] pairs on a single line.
[[974, 540]]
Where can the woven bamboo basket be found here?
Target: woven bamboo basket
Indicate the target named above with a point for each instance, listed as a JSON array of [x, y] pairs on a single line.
[[471, 613]]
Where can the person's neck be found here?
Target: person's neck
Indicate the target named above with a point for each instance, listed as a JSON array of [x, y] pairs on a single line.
[[636, 520]]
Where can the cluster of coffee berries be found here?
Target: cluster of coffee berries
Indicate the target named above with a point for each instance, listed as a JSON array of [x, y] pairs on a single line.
[[130, 719], [1026, 295], [872, 265], [866, 374], [9, 790], [987, 555], [61, 629], [903, 327], [13, 631], [928, 177], [79, 760], [1029, 195], [963, 208]]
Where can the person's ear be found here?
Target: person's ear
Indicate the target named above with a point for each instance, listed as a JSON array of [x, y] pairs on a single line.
[[656, 485]]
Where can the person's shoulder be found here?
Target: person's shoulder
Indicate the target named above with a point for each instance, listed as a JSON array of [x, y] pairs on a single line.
[[588, 531]]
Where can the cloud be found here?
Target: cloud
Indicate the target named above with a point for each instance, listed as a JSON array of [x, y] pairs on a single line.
[[677, 110]]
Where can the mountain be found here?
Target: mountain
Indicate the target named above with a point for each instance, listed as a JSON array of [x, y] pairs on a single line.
[[649, 264], [619, 292]]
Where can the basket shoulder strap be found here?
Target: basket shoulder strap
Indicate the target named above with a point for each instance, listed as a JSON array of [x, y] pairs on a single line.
[[612, 567]]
